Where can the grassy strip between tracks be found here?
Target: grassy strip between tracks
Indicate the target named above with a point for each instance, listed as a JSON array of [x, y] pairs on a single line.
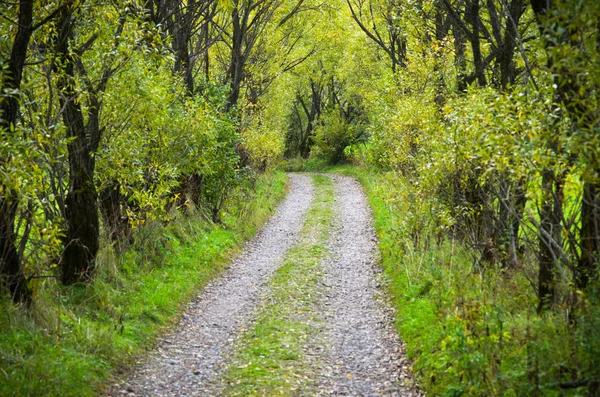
[[270, 358], [75, 338]]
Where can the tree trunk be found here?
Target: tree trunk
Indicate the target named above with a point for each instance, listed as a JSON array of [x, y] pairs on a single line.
[[181, 32], [472, 16], [573, 96], [460, 62], [504, 239], [520, 198], [82, 237], [550, 239], [546, 257], [10, 264], [507, 65], [589, 235], [236, 66], [115, 219], [194, 191]]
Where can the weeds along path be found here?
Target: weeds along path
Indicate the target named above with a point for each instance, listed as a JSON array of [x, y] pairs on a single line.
[[189, 358]]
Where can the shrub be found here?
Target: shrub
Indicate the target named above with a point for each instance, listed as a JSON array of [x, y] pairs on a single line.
[[333, 135]]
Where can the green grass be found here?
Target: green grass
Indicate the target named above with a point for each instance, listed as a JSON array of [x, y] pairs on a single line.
[[75, 339], [269, 358]]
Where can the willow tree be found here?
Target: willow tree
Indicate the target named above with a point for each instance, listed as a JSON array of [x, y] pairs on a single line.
[[80, 83], [11, 268]]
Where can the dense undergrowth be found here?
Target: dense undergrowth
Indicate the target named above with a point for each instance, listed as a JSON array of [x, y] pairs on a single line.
[[471, 330], [75, 338]]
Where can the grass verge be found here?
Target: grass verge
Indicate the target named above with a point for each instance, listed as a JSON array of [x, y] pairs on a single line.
[[74, 339], [270, 359]]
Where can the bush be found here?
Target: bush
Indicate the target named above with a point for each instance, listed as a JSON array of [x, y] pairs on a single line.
[[333, 136]]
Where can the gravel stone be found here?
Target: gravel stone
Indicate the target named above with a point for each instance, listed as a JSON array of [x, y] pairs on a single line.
[[366, 356], [186, 361]]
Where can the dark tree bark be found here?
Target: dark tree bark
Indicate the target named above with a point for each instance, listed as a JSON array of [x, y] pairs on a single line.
[[467, 24], [248, 19], [460, 62], [312, 114], [11, 268], [185, 22], [10, 263], [463, 14], [114, 215], [520, 200], [82, 236], [182, 32], [512, 200], [550, 239], [472, 17], [509, 43], [238, 60], [589, 235], [505, 34]]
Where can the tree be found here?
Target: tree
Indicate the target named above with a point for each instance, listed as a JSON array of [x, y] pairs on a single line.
[[188, 25], [369, 15], [10, 263], [84, 134], [569, 28], [305, 115], [248, 19]]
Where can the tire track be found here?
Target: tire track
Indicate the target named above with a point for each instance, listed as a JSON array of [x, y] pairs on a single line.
[[365, 353]]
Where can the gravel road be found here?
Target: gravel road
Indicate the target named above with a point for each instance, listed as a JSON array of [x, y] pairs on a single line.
[[361, 355], [187, 360]]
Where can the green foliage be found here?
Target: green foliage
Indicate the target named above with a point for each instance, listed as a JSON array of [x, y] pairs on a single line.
[[265, 147], [334, 136]]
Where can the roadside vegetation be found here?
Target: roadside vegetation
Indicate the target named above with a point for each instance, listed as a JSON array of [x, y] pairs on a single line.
[[471, 330]]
